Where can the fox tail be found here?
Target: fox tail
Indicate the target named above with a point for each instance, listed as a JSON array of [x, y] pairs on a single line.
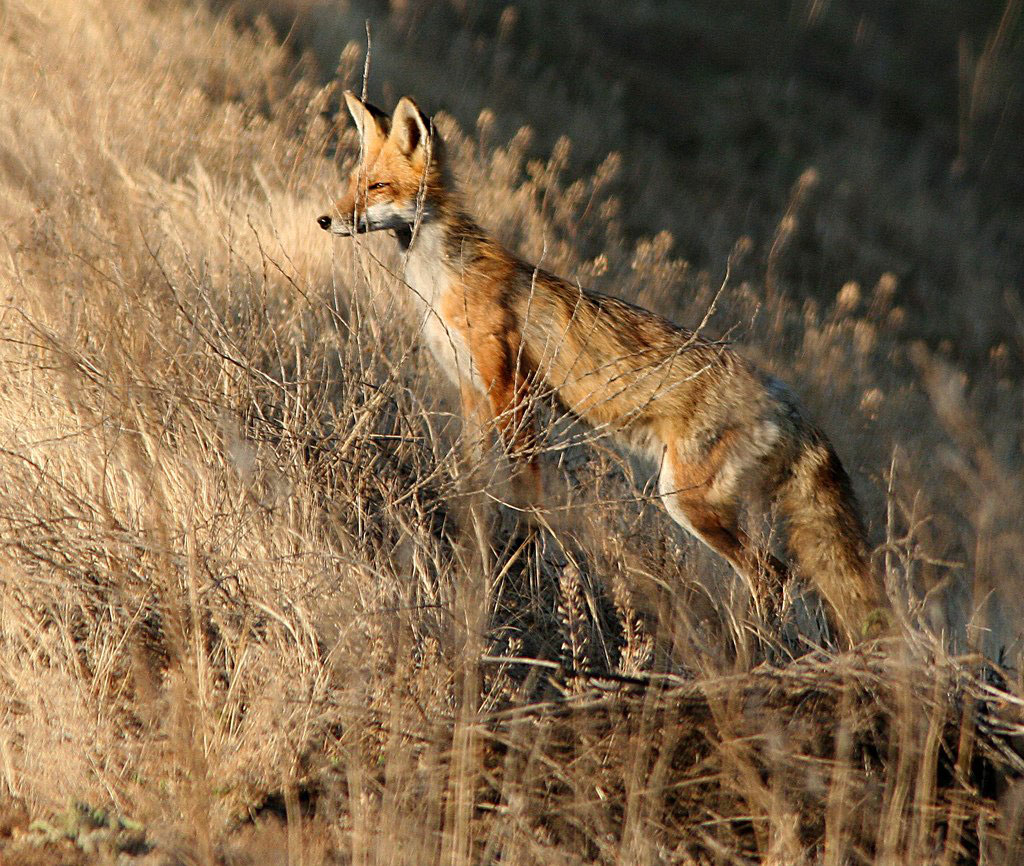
[[827, 539]]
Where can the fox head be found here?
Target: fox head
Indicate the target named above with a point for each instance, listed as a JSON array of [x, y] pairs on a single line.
[[398, 169]]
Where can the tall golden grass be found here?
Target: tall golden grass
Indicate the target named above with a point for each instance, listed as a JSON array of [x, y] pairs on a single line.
[[255, 606]]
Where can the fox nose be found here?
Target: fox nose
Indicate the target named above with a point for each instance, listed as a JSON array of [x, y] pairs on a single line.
[[324, 222]]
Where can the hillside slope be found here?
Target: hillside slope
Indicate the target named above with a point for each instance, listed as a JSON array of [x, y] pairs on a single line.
[[253, 607]]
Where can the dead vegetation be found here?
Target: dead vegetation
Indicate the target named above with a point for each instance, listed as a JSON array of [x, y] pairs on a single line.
[[253, 608]]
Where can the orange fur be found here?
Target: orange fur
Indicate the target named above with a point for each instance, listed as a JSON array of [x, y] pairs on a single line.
[[724, 434]]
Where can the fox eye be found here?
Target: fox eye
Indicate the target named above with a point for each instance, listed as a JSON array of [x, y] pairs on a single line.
[[378, 185]]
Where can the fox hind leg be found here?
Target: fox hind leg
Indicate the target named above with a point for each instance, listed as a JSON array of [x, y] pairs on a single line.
[[692, 498]]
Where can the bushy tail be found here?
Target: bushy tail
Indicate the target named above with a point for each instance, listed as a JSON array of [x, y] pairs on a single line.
[[827, 539]]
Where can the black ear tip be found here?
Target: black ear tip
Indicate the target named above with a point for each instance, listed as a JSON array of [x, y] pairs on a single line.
[[324, 222]]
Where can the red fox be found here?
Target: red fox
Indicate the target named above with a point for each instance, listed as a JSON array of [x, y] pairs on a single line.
[[723, 434]]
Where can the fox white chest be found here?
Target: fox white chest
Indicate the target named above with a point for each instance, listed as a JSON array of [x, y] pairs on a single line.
[[429, 279]]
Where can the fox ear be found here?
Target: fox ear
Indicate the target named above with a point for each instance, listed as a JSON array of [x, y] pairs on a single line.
[[409, 128], [372, 123]]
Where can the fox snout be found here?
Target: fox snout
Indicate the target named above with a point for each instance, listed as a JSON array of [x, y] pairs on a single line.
[[342, 226], [335, 225]]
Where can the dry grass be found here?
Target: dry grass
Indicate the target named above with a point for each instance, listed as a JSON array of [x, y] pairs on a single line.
[[253, 601], [909, 112]]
